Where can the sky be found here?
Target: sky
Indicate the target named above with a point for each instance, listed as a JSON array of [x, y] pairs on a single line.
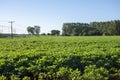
[[51, 14]]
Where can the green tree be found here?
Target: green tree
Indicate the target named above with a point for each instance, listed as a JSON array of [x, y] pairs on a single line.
[[94, 28], [75, 32], [37, 30], [31, 30], [55, 32]]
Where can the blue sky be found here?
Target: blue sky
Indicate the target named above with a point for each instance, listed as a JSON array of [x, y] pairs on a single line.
[[51, 14]]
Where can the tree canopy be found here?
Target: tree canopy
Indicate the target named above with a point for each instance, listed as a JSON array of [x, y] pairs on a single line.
[[55, 32], [30, 30], [33, 30], [93, 28]]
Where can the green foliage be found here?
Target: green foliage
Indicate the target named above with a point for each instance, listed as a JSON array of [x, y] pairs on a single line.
[[55, 32], [2, 77], [60, 58], [26, 78], [94, 28], [30, 30], [68, 74], [75, 29], [37, 30], [33, 30], [93, 73]]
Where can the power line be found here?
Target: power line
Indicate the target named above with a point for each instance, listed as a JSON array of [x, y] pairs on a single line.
[[4, 26], [11, 29], [4, 21]]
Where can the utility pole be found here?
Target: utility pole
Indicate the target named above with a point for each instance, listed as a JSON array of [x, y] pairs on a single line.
[[11, 22]]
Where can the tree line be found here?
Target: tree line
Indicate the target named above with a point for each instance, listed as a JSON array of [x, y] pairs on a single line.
[[91, 29], [83, 29], [36, 31]]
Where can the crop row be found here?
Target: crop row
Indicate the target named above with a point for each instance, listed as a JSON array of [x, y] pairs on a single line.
[[60, 58]]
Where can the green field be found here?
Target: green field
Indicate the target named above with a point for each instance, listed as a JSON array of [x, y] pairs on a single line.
[[60, 58]]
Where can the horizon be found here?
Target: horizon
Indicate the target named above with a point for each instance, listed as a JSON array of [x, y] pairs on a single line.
[[52, 14]]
